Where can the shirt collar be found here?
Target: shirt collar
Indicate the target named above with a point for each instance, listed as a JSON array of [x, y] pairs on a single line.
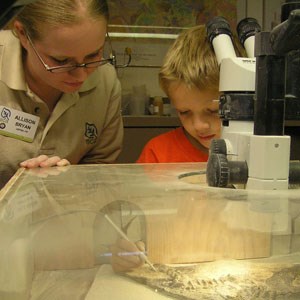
[[94, 79], [11, 69]]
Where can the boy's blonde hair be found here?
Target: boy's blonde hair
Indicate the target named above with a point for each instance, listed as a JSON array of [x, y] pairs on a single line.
[[192, 61], [42, 14]]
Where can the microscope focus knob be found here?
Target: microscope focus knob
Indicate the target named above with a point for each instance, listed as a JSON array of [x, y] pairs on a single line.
[[218, 146], [217, 171], [221, 173]]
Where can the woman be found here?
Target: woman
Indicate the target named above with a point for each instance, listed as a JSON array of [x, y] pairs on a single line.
[[60, 98]]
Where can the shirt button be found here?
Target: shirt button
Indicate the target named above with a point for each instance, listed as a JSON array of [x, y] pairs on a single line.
[[37, 110]]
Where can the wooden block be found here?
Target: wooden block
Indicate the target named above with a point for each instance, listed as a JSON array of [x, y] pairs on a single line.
[[206, 230]]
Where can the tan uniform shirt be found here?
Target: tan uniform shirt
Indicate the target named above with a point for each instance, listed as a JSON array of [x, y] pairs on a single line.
[[85, 126]]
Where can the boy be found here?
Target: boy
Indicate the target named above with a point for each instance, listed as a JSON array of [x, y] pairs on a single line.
[[190, 78]]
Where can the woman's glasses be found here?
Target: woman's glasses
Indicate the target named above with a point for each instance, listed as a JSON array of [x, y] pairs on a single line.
[[68, 68]]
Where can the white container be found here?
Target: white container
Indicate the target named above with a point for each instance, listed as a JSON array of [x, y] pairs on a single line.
[[138, 104], [138, 100]]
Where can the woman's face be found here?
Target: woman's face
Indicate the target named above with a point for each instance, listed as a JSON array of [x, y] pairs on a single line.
[[66, 45], [197, 111]]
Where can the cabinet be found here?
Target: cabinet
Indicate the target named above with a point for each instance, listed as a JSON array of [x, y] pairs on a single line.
[[138, 130]]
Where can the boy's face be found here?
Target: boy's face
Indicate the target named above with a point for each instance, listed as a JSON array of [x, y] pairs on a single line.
[[198, 113]]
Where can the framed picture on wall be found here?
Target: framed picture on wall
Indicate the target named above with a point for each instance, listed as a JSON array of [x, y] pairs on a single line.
[[177, 13]]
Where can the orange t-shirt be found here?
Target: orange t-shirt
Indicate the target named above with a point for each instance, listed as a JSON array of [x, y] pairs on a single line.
[[171, 147]]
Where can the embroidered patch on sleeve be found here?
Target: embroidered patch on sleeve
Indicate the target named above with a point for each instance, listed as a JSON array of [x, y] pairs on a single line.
[[91, 133]]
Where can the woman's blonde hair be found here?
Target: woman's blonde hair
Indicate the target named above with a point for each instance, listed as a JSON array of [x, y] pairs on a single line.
[[43, 14], [190, 60]]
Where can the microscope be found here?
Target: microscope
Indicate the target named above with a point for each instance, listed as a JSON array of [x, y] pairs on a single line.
[[258, 94]]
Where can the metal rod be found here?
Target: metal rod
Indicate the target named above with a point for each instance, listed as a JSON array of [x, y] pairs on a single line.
[[123, 235]]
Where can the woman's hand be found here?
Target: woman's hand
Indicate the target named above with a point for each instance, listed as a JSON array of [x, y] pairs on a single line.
[[44, 161], [126, 255]]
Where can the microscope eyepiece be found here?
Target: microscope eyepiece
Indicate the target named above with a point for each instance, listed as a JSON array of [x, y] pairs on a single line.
[[246, 28], [220, 36], [217, 26]]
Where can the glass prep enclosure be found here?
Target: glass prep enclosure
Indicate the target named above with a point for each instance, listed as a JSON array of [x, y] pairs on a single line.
[[205, 243]]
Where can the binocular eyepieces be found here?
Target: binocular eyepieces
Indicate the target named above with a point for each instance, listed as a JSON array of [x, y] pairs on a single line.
[[219, 25]]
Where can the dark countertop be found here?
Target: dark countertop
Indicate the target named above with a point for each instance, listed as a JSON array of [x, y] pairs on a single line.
[[292, 123]]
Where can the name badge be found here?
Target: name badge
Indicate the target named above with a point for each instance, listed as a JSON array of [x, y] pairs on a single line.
[[18, 124]]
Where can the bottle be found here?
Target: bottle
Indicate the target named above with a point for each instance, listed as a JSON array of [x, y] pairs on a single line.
[[158, 105]]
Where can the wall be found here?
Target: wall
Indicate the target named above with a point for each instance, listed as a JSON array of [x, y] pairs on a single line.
[[130, 29], [149, 28], [267, 12], [147, 57]]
